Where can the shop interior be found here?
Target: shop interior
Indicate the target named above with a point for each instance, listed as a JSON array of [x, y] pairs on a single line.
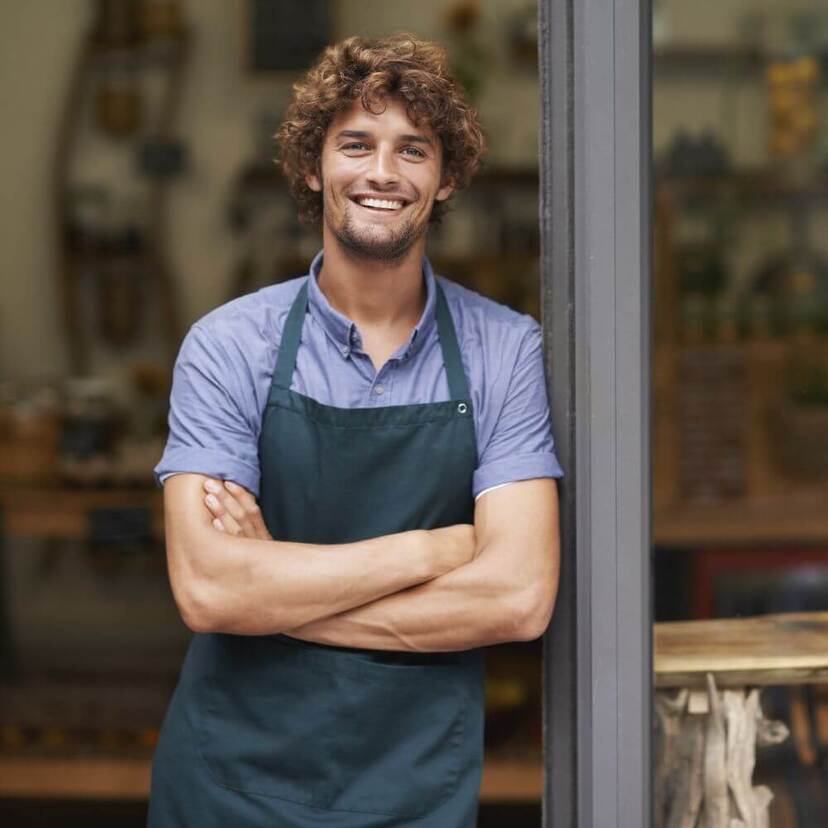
[[141, 192], [740, 358]]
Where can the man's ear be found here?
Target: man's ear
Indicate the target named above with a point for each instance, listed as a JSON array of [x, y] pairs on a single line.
[[445, 191], [312, 180]]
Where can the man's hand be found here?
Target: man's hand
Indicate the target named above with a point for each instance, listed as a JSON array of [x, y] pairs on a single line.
[[234, 509]]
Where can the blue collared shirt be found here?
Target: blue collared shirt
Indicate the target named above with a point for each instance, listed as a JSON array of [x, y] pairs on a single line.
[[224, 368]]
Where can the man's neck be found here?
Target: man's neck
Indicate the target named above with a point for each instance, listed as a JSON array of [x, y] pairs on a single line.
[[374, 294]]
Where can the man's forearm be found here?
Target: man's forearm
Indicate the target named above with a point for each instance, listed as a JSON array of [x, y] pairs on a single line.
[[471, 606], [258, 587], [250, 585]]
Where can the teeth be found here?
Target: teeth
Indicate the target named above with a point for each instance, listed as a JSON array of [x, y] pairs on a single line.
[[382, 204]]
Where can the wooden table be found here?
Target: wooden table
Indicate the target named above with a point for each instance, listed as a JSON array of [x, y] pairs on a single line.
[[708, 718]]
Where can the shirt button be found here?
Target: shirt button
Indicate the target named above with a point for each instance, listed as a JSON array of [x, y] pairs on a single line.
[[345, 351], [378, 389]]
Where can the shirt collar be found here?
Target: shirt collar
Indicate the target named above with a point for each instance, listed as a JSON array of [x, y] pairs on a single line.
[[344, 332]]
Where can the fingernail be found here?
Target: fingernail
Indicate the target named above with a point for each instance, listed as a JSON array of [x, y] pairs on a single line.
[[230, 484], [211, 485], [218, 524], [213, 501]]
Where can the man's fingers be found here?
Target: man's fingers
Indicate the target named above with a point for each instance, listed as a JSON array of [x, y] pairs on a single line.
[[248, 503], [222, 520], [236, 508], [222, 506], [227, 501]]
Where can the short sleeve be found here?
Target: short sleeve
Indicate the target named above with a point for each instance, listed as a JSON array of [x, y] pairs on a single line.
[[521, 446], [211, 430]]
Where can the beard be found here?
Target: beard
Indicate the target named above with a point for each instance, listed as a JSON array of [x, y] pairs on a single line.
[[376, 243]]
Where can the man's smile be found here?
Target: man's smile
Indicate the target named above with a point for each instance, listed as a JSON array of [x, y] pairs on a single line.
[[379, 205]]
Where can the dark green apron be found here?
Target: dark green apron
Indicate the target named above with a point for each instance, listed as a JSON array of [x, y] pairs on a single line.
[[273, 731]]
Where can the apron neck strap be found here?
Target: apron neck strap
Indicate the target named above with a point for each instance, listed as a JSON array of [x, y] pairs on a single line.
[[456, 376], [292, 334]]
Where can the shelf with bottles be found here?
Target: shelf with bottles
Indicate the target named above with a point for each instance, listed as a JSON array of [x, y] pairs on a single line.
[[740, 373], [697, 234], [787, 53]]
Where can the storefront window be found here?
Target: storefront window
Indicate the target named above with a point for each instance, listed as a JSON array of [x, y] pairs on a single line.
[[740, 390]]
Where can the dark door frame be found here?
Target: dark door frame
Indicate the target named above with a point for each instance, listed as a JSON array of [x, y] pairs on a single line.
[[595, 208]]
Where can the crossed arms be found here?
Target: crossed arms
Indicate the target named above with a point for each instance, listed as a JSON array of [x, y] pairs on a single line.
[[452, 588]]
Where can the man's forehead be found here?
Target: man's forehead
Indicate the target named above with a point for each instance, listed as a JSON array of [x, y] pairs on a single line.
[[393, 115]]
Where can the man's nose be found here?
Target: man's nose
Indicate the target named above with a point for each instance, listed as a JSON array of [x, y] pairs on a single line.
[[383, 172]]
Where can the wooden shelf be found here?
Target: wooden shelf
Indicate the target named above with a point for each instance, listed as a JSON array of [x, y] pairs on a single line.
[[787, 648], [63, 512], [74, 778], [709, 57], [751, 184], [125, 779], [785, 519]]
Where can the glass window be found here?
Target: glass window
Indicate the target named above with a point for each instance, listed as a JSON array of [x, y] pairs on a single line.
[[740, 361]]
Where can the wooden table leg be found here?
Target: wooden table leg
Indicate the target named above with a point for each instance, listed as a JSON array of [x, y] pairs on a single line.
[[705, 756]]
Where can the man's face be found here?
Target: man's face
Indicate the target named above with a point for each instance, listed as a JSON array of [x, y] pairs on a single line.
[[380, 178]]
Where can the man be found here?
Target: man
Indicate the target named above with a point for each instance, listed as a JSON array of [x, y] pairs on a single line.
[[359, 486]]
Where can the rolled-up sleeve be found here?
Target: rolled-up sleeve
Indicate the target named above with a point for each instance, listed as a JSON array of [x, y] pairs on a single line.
[[210, 430], [521, 446]]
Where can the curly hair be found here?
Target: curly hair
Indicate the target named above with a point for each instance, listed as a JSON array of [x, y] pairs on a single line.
[[399, 66]]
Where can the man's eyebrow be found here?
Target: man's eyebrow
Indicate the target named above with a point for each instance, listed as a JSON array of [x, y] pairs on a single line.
[[411, 137], [417, 139], [352, 133]]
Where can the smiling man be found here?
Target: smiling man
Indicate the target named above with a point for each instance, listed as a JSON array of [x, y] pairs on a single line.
[[399, 216], [359, 486]]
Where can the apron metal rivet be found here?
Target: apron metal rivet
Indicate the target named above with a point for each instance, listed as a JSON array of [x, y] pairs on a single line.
[[462, 408]]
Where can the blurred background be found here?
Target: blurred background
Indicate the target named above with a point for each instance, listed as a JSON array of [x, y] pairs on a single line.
[[740, 357], [139, 192]]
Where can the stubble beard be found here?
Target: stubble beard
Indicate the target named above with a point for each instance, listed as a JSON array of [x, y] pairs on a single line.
[[387, 247]]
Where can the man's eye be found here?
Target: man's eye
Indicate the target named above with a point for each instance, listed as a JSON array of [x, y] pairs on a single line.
[[355, 145], [415, 150]]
